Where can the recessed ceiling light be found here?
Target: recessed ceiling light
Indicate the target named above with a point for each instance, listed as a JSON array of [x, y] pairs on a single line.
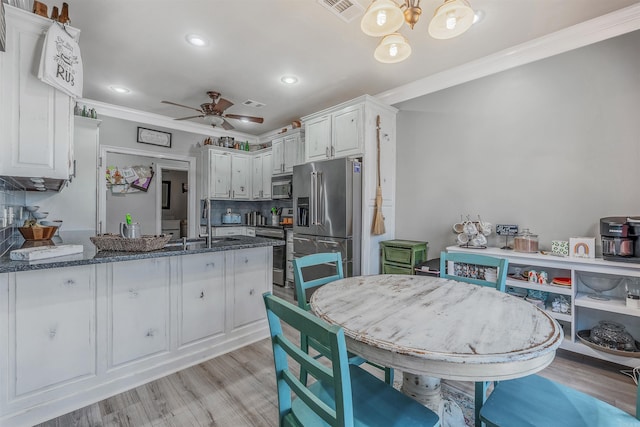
[[289, 80], [197, 40], [119, 89]]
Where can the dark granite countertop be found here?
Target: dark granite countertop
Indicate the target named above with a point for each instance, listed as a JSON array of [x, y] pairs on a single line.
[[91, 256]]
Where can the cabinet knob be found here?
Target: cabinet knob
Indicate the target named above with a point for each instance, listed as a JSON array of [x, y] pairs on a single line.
[[52, 333], [69, 282], [201, 294], [246, 260], [150, 333], [251, 292], [210, 264], [133, 293]]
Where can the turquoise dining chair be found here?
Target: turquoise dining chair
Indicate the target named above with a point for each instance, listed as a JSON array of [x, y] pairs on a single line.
[[334, 261], [538, 401], [342, 394], [502, 265]]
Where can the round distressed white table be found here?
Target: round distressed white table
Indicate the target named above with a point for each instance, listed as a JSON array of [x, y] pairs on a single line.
[[433, 328]]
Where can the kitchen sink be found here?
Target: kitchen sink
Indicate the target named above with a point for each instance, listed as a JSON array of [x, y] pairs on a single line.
[[198, 243]]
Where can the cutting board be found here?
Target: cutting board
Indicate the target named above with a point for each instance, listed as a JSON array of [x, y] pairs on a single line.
[[44, 252]]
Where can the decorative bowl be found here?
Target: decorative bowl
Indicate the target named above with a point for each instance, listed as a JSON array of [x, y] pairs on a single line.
[[39, 215], [613, 335], [599, 283], [37, 233], [32, 208]]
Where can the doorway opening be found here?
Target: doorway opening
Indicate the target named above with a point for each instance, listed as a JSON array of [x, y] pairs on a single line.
[[174, 200], [145, 206]]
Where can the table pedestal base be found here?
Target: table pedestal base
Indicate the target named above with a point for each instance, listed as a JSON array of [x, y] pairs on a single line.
[[427, 391]]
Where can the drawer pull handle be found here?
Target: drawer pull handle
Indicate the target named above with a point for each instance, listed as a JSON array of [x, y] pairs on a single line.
[[150, 333], [210, 264], [69, 282], [133, 293], [52, 333]]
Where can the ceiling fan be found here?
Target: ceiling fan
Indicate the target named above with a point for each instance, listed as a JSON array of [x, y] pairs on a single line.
[[213, 111]]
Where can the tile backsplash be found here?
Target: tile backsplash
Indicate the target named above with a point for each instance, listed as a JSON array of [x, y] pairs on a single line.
[[12, 201]]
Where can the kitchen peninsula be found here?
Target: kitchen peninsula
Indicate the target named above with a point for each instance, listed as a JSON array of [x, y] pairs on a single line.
[[87, 326]]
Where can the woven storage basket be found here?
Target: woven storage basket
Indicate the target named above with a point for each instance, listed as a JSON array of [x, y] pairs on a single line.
[[114, 242]]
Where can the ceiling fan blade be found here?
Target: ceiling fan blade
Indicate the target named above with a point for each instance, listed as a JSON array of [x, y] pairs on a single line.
[[180, 105], [222, 105], [190, 117], [245, 118], [227, 126]]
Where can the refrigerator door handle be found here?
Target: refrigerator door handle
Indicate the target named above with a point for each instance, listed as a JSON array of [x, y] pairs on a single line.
[[319, 199], [312, 199], [329, 242]]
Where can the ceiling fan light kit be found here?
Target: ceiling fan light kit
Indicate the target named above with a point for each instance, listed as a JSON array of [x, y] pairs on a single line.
[[213, 112], [384, 18]]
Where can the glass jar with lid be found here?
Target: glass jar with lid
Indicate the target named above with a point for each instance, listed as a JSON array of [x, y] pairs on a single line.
[[526, 241]]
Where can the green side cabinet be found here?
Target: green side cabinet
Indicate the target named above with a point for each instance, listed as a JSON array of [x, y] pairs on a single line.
[[401, 256]]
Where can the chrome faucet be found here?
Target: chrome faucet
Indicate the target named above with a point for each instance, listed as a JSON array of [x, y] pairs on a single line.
[[207, 213]]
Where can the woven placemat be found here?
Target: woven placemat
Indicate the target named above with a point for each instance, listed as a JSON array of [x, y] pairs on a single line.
[[114, 242]]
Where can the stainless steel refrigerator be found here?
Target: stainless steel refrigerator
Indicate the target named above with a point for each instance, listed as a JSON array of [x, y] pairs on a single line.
[[327, 208]]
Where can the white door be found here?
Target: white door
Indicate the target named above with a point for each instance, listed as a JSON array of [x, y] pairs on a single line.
[[347, 136], [277, 151], [240, 177], [219, 175], [54, 328], [318, 138], [257, 177], [138, 298], [202, 291], [266, 175]]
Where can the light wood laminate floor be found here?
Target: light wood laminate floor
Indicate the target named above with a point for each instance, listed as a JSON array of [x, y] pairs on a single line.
[[238, 389]]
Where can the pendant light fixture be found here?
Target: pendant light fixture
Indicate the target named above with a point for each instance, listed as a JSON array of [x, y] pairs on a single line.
[[451, 19], [392, 48], [381, 18], [384, 18]]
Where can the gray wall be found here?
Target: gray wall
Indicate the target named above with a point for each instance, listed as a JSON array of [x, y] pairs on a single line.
[[552, 146]]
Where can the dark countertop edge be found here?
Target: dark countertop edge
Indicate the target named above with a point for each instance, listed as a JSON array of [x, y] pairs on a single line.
[[242, 242]]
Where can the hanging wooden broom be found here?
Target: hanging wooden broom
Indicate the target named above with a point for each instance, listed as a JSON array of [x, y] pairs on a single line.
[[378, 219]]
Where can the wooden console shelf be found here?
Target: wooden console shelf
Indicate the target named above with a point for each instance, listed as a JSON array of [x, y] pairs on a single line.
[[585, 311]]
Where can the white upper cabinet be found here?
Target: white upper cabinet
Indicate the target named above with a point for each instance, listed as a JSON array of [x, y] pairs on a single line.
[[288, 151], [36, 120], [333, 134], [240, 176], [224, 175], [261, 176]]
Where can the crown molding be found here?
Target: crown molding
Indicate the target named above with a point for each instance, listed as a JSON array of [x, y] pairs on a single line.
[[595, 30], [124, 113]]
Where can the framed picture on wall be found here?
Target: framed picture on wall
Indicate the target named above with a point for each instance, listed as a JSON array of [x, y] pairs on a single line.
[[166, 194], [154, 137]]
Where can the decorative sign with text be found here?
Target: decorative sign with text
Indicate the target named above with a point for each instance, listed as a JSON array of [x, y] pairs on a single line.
[[506, 230]]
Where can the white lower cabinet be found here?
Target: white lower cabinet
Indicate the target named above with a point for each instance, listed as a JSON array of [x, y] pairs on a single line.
[[139, 309], [73, 336], [52, 333], [251, 269], [201, 297]]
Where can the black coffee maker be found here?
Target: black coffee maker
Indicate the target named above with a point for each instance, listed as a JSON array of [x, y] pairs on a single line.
[[620, 238]]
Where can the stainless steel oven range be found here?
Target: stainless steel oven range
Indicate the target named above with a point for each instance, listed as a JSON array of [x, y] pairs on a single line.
[[279, 252]]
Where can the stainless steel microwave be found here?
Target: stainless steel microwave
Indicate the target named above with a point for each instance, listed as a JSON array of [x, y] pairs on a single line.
[[281, 187]]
